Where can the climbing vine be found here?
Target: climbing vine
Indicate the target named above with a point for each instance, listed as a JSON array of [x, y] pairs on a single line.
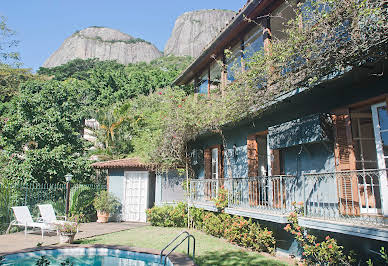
[[325, 39]]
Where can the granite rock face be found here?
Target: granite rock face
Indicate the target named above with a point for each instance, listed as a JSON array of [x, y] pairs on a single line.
[[104, 44], [194, 30]]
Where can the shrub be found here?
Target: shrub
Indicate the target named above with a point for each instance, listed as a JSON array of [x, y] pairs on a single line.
[[196, 218], [214, 224], [106, 202], [327, 252], [249, 234], [168, 216], [178, 215], [158, 215], [221, 201], [235, 229], [81, 202]]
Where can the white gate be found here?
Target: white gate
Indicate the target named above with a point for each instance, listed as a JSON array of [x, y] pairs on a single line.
[[135, 199]]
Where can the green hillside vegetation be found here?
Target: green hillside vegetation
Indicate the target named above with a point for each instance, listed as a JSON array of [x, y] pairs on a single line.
[[42, 115]]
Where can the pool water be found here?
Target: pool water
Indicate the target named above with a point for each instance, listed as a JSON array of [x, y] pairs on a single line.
[[84, 256]]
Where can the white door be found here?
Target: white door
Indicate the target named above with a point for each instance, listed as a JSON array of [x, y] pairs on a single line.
[[135, 199], [380, 122]]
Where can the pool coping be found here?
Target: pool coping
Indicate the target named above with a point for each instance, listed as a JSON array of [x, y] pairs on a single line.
[[176, 258]]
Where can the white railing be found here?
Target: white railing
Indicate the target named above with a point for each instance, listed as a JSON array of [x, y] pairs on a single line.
[[266, 193], [205, 191], [347, 196], [344, 196]]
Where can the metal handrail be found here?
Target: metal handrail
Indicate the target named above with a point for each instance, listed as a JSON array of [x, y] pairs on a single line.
[[188, 235]]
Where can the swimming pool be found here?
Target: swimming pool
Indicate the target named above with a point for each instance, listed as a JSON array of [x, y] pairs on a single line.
[[85, 256]]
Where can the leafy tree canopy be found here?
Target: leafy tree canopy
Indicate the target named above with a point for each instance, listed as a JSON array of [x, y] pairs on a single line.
[[41, 137], [10, 79], [110, 82]]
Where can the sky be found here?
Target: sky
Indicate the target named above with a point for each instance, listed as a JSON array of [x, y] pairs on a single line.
[[42, 25]]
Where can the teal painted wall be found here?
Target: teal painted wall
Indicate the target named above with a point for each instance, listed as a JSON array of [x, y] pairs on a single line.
[[116, 181], [317, 157]]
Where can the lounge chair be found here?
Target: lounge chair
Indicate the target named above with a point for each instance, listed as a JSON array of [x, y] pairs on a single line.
[[48, 216], [24, 219]]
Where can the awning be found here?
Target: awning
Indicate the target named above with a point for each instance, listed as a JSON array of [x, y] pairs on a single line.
[[309, 129]]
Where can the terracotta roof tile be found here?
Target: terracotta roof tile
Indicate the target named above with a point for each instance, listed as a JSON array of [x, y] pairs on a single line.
[[122, 163]]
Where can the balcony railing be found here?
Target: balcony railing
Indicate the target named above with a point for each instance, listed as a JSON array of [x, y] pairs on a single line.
[[266, 193], [206, 190], [348, 196], [344, 196]]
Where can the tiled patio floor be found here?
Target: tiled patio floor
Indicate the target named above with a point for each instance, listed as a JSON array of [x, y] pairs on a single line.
[[17, 241]]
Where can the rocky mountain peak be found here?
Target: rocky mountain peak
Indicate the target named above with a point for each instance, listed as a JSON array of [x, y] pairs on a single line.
[[194, 30], [105, 44]]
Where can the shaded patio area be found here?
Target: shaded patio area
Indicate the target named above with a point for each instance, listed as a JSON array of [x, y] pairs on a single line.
[[17, 241]]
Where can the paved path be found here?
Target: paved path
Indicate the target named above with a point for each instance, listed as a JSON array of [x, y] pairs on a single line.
[[17, 241]]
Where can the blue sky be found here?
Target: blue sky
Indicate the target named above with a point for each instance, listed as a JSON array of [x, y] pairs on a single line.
[[42, 25]]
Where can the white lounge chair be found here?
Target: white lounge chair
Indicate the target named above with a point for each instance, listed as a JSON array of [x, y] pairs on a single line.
[[24, 219], [48, 216]]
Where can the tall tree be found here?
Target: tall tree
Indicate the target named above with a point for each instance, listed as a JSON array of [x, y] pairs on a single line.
[[7, 44], [41, 137]]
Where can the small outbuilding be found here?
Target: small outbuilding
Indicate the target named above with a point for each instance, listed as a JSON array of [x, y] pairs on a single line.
[[139, 187], [133, 183]]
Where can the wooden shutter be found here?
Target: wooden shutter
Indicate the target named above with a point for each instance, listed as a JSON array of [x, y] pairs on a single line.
[[253, 169], [278, 185], [347, 185], [221, 163], [207, 154], [253, 162], [275, 164]]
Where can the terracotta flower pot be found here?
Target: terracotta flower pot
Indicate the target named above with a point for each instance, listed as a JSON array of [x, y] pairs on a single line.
[[66, 238], [102, 217]]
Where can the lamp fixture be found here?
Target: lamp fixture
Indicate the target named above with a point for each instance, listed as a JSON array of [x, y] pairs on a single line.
[[68, 177]]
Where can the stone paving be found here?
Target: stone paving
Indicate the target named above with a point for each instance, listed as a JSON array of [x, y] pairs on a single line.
[[17, 241]]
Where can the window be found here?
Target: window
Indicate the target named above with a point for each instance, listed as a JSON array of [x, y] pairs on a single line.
[[363, 138], [215, 76], [233, 63], [213, 162], [215, 170], [280, 18], [202, 86], [357, 148], [253, 42]]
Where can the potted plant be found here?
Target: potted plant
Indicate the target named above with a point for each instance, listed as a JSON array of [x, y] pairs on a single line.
[[67, 230], [105, 204]]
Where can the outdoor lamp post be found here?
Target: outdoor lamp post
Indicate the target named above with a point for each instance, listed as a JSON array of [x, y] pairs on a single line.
[[68, 178]]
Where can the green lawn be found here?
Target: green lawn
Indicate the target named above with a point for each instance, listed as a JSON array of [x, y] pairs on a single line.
[[209, 250]]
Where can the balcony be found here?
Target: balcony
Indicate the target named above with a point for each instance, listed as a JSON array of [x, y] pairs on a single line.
[[345, 202]]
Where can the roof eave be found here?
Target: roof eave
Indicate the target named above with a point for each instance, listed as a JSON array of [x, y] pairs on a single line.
[[189, 72]]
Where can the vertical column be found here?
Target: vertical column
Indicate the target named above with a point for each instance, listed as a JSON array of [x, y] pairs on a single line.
[[267, 40], [224, 73], [208, 80], [242, 55]]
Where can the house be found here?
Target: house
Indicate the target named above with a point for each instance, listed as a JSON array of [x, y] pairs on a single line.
[[138, 186], [325, 146]]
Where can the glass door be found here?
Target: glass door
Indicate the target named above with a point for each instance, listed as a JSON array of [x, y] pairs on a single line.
[[366, 160], [380, 122]]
